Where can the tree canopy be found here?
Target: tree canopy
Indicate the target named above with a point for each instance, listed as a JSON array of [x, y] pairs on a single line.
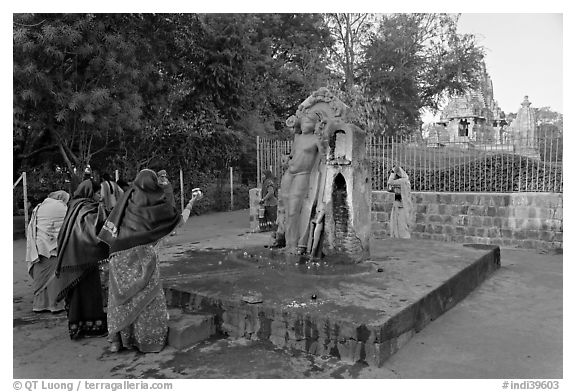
[[193, 90]]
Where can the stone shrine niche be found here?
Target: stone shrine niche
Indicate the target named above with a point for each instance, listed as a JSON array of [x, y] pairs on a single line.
[[335, 214], [347, 194]]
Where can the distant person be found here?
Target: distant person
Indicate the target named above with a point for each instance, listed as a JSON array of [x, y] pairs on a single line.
[[41, 250], [401, 215], [166, 187], [269, 201], [110, 192], [80, 254], [96, 181], [86, 186], [137, 312]]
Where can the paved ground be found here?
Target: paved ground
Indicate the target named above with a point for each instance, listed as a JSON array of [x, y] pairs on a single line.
[[510, 327]]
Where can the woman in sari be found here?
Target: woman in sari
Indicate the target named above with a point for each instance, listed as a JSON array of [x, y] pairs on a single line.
[[401, 215], [41, 250], [80, 254], [137, 311]]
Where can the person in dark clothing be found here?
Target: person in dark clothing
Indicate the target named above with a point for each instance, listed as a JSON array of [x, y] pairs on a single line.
[[80, 254]]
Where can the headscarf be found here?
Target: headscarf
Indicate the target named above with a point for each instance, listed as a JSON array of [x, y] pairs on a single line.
[[79, 249], [60, 195], [142, 216], [84, 190]]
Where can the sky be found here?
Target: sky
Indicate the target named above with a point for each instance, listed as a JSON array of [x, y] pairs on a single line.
[[523, 56]]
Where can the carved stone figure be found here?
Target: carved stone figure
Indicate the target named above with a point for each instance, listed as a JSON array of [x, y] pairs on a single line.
[[324, 205]]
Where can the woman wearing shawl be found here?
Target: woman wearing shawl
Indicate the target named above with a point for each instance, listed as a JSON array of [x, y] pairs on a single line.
[[137, 312], [400, 217], [80, 253], [41, 250]]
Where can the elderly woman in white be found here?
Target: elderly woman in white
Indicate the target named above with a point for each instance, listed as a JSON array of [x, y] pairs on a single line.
[[401, 215], [41, 247]]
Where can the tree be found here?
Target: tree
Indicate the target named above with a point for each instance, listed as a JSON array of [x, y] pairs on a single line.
[[77, 82], [350, 33], [413, 62]]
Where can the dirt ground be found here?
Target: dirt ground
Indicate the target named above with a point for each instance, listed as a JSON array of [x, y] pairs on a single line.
[[510, 328]]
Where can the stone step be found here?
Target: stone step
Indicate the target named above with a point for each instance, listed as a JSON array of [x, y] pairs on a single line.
[[185, 330]]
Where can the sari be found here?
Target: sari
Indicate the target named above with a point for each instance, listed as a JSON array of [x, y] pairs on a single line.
[[80, 254], [41, 250], [137, 311], [402, 211]]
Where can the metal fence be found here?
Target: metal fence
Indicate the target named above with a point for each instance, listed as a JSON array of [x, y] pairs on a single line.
[[519, 165]]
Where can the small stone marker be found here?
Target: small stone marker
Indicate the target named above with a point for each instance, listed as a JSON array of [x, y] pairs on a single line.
[[189, 329]]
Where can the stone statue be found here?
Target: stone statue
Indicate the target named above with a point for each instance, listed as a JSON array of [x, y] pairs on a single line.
[[325, 192], [307, 149]]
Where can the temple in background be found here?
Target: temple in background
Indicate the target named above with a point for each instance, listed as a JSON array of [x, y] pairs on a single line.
[[472, 117]]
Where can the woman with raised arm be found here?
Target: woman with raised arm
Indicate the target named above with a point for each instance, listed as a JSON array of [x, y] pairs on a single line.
[[401, 215], [137, 311]]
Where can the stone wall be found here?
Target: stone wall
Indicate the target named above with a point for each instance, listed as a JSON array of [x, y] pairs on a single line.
[[510, 220]]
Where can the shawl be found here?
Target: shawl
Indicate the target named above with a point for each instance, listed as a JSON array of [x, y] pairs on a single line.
[[79, 249], [44, 226], [85, 189], [142, 216], [404, 182]]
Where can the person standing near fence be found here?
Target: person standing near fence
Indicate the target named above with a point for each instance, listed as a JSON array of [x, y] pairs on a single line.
[[41, 250], [166, 187], [80, 254], [269, 201], [110, 192], [401, 215]]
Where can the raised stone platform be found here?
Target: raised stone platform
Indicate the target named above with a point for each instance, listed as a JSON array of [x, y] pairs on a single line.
[[355, 312]]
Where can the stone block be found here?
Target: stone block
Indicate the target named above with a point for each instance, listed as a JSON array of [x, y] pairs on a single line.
[[476, 221], [189, 329], [470, 199], [440, 237], [459, 230], [519, 235], [487, 221], [421, 208], [432, 209], [443, 209], [419, 228], [374, 355], [477, 210], [534, 212], [491, 211], [435, 218], [547, 236], [503, 212], [279, 341], [493, 232], [278, 328], [521, 212], [349, 350]]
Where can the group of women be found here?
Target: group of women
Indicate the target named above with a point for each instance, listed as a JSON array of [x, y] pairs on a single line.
[[68, 241]]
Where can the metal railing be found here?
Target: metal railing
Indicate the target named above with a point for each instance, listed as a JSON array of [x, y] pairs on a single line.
[[517, 165]]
